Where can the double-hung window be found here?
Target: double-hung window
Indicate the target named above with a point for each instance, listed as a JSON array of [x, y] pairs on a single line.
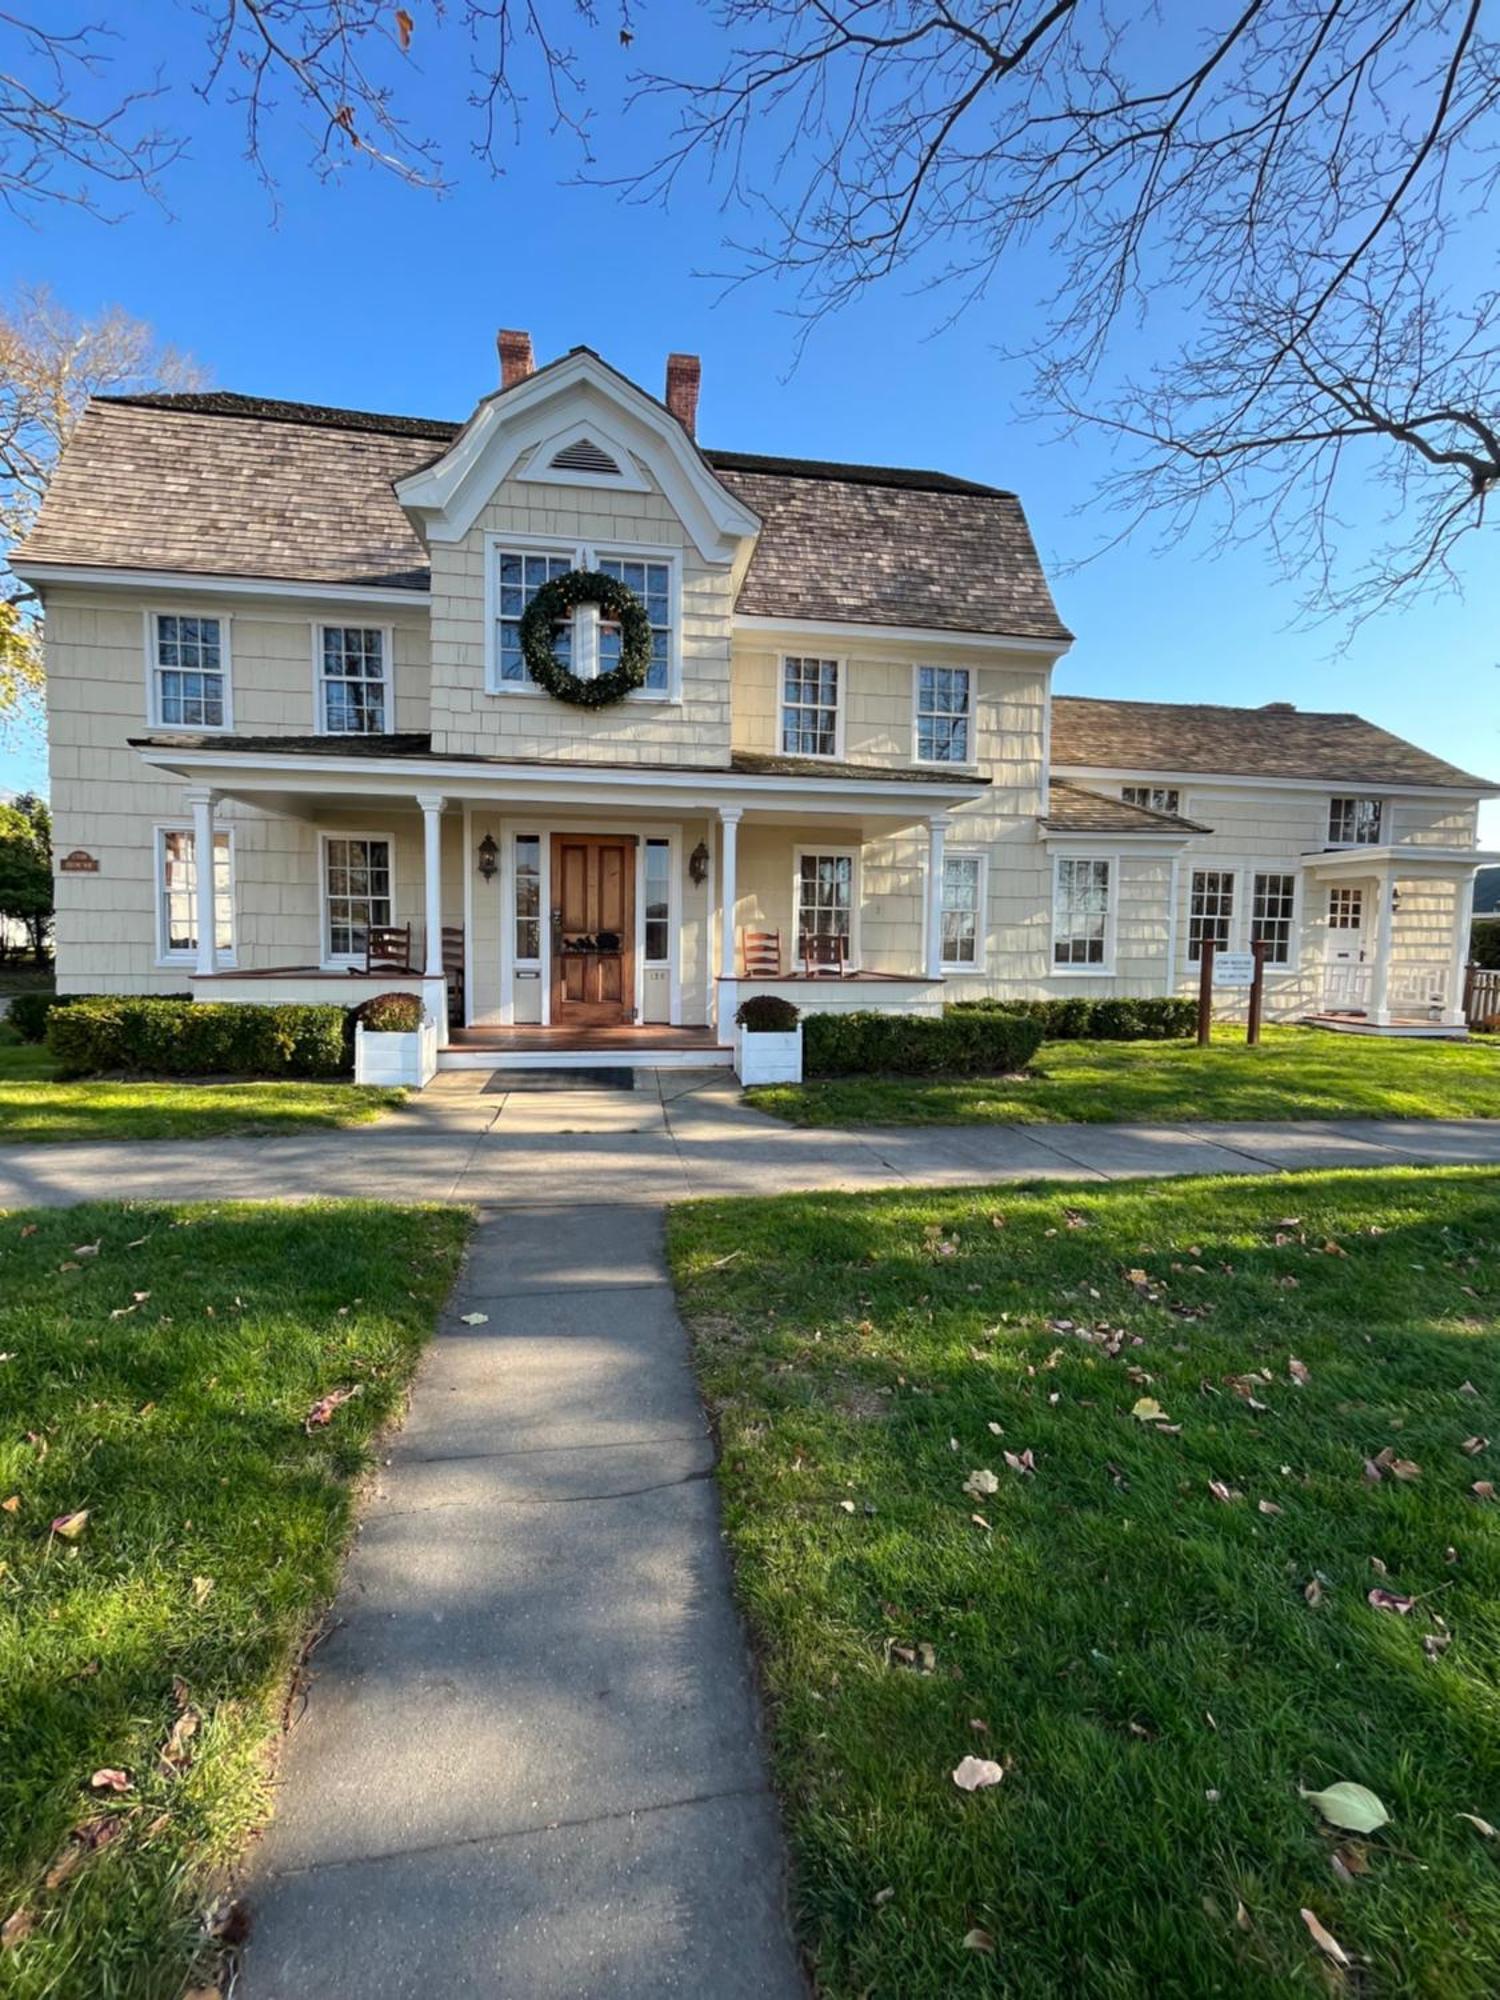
[[1354, 822], [652, 584], [809, 707], [1210, 910], [1080, 912], [658, 901], [945, 723], [1157, 798], [357, 893], [519, 575], [528, 857], [825, 899], [189, 672], [353, 680], [177, 894], [963, 911], [1272, 908]]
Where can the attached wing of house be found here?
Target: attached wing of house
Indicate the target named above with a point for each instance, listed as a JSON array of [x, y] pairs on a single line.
[[290, 638]]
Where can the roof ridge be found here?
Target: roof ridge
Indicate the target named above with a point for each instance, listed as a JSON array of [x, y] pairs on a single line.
[[1272, 710]]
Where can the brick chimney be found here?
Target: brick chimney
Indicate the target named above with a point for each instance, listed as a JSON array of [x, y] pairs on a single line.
[[684, 373], [515, 357]]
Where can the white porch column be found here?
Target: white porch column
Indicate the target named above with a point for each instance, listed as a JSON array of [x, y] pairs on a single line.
[[1380, 972], [729, 822], [432, 854], [1453, 1012], [937, 832], [202, 802]]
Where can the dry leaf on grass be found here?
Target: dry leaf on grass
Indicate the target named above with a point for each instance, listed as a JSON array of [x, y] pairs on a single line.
[[1474, 1445], [1022, 1462], [322, 1411], [978, 1940], [1390, 1600], [1325, 1940], [1227, 1495], [1148, 1411], [1298, 1370], [108, 1779], [976, 1774], [980, 1483], [1267, 1507], [1312, 1590], [1483, 1489], [71, 1526], [1480, 1825], [17, 1927]]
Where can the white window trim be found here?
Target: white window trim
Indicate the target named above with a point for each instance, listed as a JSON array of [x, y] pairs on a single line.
[[540, 471], [164, 956], [582, 555], [1111, 916], [388, 655], [326, 959], [969, 763], [1277, 969], [833, 850], [840, 710], [226, 666], [1354, 846], [982, 926]]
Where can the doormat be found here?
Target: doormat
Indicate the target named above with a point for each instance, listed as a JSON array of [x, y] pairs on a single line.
[[502, 1080]]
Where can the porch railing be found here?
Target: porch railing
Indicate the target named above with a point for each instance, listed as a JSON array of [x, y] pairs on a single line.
[[1417, 989], [1482, 997]]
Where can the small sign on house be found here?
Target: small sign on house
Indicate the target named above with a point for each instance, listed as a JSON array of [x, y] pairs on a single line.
[[79, 863], [1234, 968]]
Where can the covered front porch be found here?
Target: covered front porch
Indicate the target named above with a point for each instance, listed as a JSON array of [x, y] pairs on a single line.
[[1396, 940], [555, 913]]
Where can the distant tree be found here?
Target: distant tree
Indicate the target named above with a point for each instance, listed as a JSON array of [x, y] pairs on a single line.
[[51, 362], [26, 868]]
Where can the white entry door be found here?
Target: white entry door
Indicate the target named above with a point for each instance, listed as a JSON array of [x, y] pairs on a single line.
[[1346, 988]]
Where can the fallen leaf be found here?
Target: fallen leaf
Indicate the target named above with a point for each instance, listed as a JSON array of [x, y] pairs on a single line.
[[322, 1411], [1349, 1861], [1298, 1371], [1267, 1507], [1148, 1411], [1474, 1445], [1480, 1825], [974, 1774], [86, 1249], [1325, 1941], [1354, 1808], [1226, 1494], [1405, 1468], [1467, 1389], [883, 1896], [981, 1482], [1483, 1489], [175, 1756], [17, 1927], [847, 1505], [12, 1505], [202, 1589], [978, 1940], [228, 1921], [1435, 1644], [1312, 1590], [71, 1526], [1020, 1462], [475, 1319], [979, 1728], [109, 1780], [1390, 1600]]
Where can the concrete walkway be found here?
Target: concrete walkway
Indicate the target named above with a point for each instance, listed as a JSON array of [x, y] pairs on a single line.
[[530, 1763], [470, 1137]]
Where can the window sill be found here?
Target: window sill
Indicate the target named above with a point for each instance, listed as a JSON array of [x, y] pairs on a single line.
[[660, 697], [193, 728], [1083, 972], [187, 961]]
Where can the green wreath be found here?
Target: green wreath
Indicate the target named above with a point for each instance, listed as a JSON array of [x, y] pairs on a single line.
[[556, 601]]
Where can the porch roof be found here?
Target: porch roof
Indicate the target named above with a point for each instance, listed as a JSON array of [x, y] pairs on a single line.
[[1395, 858], [404, 764]]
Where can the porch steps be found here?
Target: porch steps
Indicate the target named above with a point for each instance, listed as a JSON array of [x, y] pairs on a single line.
[[1413, 1031], [709, 1056]]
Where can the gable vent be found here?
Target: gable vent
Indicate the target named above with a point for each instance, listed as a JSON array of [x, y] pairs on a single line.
[[585, 456]]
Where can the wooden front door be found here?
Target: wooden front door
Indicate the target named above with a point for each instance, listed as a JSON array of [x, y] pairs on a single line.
[[593, 929]]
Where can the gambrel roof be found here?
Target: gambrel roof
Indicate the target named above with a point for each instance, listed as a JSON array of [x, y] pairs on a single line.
[[217, 484]]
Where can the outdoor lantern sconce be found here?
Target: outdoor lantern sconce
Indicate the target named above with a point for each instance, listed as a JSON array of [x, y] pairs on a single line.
[[489, 857], [698, 863]]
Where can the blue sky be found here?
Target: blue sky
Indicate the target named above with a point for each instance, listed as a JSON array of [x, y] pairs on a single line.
[[368, 293]]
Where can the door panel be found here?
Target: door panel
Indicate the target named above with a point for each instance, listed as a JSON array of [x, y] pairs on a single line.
[[593, 929]]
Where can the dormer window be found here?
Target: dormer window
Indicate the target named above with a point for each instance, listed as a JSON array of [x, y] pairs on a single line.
[[587, 644]]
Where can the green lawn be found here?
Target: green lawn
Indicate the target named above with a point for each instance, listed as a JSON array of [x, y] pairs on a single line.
[[33, 1107], [1295, 1073], [159, 1367], [1157, 1665]]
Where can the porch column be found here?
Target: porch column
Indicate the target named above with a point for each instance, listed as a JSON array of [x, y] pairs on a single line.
[[432, 854], [729, 822], [1453, 1012], [937, 831], [1380, 972], [202, 801]]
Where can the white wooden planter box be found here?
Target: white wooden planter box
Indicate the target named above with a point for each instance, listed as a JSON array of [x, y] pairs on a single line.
[[410, 1060], [763, 1058]]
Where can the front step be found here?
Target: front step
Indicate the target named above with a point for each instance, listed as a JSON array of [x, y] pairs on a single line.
[[521, 1059]]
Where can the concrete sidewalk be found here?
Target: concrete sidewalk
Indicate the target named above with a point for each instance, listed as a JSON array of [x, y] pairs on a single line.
[[470, 1137], [530, 1763]]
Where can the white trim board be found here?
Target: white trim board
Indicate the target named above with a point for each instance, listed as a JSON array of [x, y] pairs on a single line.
[[1331, 786], [212, 583], [905, 636]]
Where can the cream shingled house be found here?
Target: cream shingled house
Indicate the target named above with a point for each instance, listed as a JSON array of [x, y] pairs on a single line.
[[290, 636]]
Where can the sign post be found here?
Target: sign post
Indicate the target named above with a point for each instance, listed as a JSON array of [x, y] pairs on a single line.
[[1205, 992], [1257, 988]]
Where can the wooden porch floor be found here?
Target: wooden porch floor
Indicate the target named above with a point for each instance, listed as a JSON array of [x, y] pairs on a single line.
[[592, 1041]]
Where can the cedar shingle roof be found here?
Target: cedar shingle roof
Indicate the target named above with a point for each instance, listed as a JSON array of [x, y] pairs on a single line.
[[1075, 809], [1277, 741], [218, 484]]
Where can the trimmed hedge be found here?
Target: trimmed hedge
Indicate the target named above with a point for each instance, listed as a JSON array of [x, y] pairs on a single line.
[[391, 1014], [1081, 1019], [766, 1014], [92, 1037], [28, 1012], [980, 1042]]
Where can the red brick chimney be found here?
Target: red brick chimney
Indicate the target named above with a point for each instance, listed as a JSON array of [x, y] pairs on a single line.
[[684, 373], [515, 357]]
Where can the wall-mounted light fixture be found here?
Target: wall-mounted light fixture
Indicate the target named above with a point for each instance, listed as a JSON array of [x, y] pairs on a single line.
[[698, 863], [489, 857]]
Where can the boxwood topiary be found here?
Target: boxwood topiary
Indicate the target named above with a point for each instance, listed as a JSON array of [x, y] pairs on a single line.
[[766, 1014], [391, 1014]]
